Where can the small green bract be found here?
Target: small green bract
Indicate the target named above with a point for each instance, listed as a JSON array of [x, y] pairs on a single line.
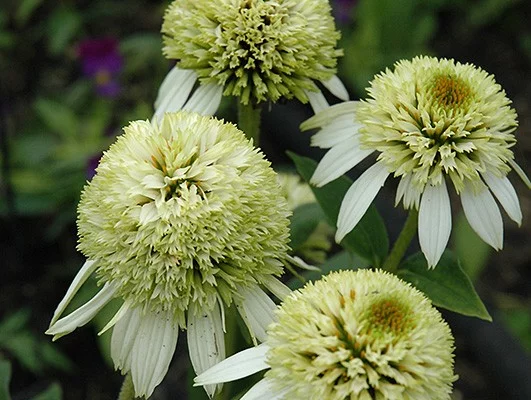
[[259, 50], [182, 211]]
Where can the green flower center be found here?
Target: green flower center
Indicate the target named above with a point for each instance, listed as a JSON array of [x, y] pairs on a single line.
[[450, 91], [389, 316]]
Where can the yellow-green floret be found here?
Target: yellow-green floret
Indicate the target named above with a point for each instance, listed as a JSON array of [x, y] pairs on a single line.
[[181, 212], [259, 50], [431, 118], [360, 335]]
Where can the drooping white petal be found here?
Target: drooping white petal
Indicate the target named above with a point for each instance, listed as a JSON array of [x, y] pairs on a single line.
[[300, 263], [122, 311], [520, 172], [276, 287], [342, 128], [256, 310], [86, 270], [317, 100], [336, 87], [329, 114], [338, 160], [435, 222], [264, 390], [359, 197], [83, 314], [123, 338], [206, 342], [205, 100], [483, 215], [153, 350], [174, 91], [240, 365], [506, 195]]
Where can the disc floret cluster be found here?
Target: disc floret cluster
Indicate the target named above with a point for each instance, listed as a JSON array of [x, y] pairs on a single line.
[[257, 50]]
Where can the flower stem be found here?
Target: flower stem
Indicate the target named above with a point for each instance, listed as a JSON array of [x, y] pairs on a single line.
[[127, 392], [402, 242], [249, 121]]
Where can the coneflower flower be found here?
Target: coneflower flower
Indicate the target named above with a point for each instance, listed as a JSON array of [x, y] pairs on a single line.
[[182, 218], [256, 50], [352, 335], [430, 122]]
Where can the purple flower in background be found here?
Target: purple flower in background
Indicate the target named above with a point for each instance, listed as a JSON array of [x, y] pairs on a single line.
[[343, 10], [102, 62]]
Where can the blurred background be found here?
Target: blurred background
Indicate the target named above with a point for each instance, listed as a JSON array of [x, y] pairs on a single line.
[[73, 73]]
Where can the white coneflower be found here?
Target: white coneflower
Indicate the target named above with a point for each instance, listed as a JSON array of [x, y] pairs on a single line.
[[183, 217], [430, 121], [256, 50], [352, 335]]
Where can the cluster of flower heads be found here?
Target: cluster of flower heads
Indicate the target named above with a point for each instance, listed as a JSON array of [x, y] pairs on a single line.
[[354, 334], [256, 50], [183, 217], [429, 121]]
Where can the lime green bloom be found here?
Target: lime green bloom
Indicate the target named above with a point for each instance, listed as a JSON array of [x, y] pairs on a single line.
[[183, 217], [430, 122], [256, 50], [354, 334]]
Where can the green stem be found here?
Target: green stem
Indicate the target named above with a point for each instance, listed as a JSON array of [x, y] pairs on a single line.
[[249, 121], [127, 392], [402, 242]]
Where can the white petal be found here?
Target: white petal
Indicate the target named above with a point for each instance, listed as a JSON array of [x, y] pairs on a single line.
[[257, 311], [435, 222], [338, 160], [317, 100], [264, 390], [123, 338], [358, 198], [206, 342], [122, 312], [86, 270], [506, 195], [483, 215], [409, 192], [240, 365], [174, 91], [336, 87], [83, 314], [153, 350], [342, 128], [329, 114], [520, 172], [205, 100], [276, 287], [300, 263]]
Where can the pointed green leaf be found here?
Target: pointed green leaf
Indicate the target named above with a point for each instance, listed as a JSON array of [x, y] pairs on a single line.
[[369, 238], [304, 220], [447, 285]]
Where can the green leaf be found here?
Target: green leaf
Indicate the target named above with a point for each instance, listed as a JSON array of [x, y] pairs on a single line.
[[63, 25], [57, 117], [447, 285], [469, 248], [369, 238], [304, 220], [5, 378], [53, 392], [25, 9]]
